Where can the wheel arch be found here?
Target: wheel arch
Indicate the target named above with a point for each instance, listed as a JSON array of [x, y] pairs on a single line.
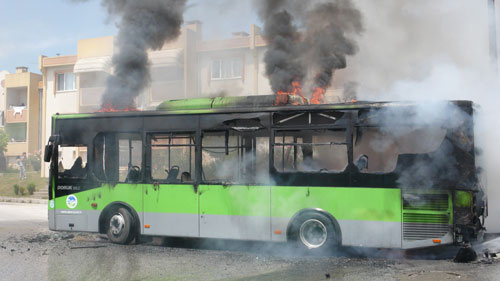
[[332, 219], [115, 205]]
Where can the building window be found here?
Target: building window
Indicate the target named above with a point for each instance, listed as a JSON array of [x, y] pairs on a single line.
[[229, 68], [66, 82]]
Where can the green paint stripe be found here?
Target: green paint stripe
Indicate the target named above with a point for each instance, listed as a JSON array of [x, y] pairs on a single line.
[[357, 204]]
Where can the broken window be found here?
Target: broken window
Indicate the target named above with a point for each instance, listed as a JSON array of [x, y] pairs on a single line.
[[130, 158], [172, 158], [376, 149], [235, 157], [117, 157], [72, 162], [319, 150]]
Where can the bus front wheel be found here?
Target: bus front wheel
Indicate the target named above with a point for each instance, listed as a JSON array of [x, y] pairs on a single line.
[[314, 231], [120, 228]]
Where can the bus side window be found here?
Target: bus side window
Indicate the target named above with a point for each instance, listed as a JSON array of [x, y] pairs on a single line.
[[310, 151], [380, 147], [117, 157], [129, 158], [235, 157], [172, 158], [72, 162]]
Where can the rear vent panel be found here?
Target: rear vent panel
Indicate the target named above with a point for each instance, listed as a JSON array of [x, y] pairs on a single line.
[[425, 216], [429, 202]]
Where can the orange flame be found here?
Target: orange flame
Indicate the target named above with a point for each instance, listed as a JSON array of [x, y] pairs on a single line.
[[283, 98], [318, 96], [109, 108]]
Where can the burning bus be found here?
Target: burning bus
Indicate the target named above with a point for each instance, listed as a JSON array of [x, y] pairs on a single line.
[[372, 174]]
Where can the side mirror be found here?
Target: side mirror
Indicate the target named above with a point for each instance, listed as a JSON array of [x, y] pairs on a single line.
[[47, 155]]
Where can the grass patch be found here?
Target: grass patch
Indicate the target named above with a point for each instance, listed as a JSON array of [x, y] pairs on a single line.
[[8, 180]]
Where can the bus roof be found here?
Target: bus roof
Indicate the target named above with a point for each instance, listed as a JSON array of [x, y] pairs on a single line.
[[245, 104]]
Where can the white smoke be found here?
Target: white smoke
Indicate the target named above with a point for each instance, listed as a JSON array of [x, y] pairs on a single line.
[[428, 51]]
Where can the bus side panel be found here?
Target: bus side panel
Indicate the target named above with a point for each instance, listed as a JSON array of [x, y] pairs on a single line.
[[369, 217], [235, 212], [171, 210], [74, 212]]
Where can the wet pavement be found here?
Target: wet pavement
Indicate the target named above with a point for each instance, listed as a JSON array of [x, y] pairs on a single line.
[[28, 251]]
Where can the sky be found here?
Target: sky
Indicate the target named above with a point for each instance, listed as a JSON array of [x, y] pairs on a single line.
[[30, 28]]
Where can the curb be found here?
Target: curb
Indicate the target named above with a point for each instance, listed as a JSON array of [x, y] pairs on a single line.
[[23, 200]]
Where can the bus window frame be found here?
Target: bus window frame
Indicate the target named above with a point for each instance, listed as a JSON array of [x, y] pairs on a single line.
[[240, 134], [71, 179], [149, 157], [118, 136], [347, 143]]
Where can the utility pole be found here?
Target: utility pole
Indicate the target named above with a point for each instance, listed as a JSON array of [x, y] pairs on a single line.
[[493, 35]]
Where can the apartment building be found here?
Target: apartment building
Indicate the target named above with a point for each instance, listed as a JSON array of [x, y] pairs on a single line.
[[22, 112]]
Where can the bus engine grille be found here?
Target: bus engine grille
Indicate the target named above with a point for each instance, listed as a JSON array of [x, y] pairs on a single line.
[[424, 226], [428, 202]]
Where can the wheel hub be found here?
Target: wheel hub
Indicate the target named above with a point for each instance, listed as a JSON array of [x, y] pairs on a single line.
[[116, 224], [313, 233]]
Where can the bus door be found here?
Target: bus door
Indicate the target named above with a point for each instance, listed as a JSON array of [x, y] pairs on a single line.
[[171, 197], [50, 156], [235, 199]]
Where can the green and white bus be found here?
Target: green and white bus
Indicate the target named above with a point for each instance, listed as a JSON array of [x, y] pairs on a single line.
[[366, 174]]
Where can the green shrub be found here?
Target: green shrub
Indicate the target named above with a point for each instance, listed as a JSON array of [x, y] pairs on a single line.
[[31, 188], [22, 190], [16, 189]]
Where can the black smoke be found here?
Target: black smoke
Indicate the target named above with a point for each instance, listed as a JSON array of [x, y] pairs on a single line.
[[144, 25], [329, 39], [308, 40], [282, 57]]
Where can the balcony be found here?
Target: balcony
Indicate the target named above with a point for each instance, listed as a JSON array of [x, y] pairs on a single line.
[[16, 115], [16, 148]]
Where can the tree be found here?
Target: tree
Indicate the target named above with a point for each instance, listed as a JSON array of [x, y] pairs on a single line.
[[4, 139]]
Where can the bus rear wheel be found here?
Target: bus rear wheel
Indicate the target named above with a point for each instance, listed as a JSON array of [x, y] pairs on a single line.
[[314, 232], [120, 226]]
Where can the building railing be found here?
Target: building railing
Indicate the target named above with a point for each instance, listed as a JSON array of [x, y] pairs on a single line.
[[16, 115]]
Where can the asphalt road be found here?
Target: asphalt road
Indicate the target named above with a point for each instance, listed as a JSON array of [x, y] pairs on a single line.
[[28, 251]]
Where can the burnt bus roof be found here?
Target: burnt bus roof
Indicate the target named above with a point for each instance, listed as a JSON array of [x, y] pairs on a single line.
[[251, 104]]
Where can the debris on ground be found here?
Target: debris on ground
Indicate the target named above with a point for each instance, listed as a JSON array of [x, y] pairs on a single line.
[[87, 247], [489, 257], [465, 254]]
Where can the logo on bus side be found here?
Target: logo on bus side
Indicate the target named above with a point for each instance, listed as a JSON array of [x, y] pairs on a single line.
[[71, 201]]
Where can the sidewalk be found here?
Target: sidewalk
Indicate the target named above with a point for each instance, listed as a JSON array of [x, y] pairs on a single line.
[[27, 200]]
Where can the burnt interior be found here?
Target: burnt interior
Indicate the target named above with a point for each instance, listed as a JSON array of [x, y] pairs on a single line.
[[260, 140]]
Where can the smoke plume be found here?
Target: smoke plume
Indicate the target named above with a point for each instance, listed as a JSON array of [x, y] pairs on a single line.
[[144, 25], [328, 41], [282, 56], [309, 56], [409, 52]]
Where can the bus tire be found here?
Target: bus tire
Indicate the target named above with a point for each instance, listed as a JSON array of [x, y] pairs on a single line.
[[314, 231], [120, 228]]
